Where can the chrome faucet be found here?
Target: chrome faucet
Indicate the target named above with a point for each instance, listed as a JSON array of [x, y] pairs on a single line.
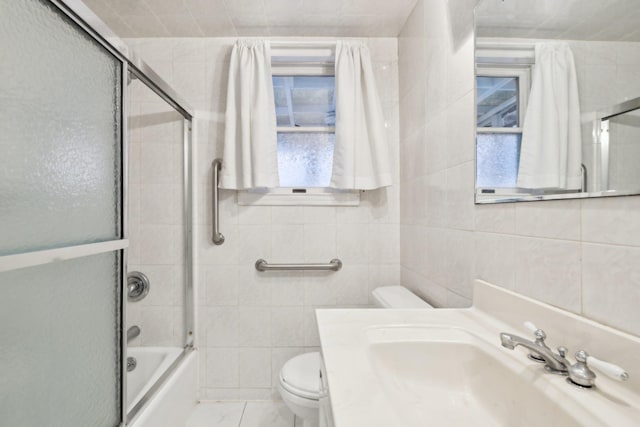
[[132, 332], [578, 373], [554, 362]]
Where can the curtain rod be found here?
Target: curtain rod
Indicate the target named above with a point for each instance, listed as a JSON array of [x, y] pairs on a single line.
[[284, 43], [507, 45]]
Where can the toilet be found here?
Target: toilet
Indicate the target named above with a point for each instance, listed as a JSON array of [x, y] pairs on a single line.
[[299, 377]]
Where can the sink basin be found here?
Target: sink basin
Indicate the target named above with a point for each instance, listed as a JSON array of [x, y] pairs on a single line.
[[447, 368], [450, 377]]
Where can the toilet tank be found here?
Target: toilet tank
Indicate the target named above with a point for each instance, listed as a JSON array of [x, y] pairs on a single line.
[[397, 297]]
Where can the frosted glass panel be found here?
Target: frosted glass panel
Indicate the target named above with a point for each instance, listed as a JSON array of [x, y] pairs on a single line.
[[305, 159], [59, 133], [156, 218], [59, 353], [498, 157]]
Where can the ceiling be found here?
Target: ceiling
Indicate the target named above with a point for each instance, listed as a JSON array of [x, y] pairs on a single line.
[[229, 18], [605, 20]]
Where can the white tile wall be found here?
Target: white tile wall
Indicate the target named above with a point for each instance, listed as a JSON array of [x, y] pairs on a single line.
[[249, 322], [156, 217], [578, 255]]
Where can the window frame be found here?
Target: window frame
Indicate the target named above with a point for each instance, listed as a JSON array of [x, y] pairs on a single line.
[[300, 66], [523, 74]]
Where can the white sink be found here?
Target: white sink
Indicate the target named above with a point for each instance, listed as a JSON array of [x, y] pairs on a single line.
[[449, 377], [447, 368]]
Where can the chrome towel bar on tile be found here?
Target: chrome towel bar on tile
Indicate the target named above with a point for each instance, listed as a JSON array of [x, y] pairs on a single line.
[[333, 265], [217, 237]]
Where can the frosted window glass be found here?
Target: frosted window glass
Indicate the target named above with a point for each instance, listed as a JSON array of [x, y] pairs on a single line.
[[305, 159], [498, 157], [59, 353], [60, 94]]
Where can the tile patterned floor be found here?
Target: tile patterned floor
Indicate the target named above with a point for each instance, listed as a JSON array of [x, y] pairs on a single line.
[[241, 414]]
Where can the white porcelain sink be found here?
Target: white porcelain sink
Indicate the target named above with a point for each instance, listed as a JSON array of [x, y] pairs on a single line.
[[449, 377], [447, 368]]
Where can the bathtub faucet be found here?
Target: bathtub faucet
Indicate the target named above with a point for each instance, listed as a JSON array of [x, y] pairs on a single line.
[[132, 332]]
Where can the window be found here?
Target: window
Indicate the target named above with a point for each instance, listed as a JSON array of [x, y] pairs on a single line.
[[501, 102], [305, 110], [304, 95]]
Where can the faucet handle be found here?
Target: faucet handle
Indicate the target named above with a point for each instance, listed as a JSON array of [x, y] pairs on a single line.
[[537, 332], [607, 368], [531, 327], [562, 351], [581, 374], [540, 336]]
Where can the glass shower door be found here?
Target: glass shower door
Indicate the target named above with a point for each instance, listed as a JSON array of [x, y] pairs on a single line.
[[61, 221]]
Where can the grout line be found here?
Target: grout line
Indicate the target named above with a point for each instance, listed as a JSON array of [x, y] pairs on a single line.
[[244, 408]]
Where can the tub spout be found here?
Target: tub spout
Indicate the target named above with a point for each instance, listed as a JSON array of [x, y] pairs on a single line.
[[132, 332]]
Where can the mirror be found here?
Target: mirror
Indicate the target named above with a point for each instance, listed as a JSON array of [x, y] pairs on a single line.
[[557, 99]]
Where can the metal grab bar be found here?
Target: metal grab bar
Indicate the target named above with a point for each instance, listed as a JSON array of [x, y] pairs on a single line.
[[218, 237], [333, 265]]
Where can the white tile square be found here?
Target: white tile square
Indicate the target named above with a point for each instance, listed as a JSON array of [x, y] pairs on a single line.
[[460, 262], [611, 285], [320, 288], [353, 243], [221, 326], [352, 285], [287, 326], [254, 365], [495, 259], [254, 288], [220, 284], [549, 271], [219, 414], [287, 243], [166, 285], [254, 327], [272, 414], [222, 367], [319, 242], [287, 288], [610, 220], [555, 220], [254, 242]]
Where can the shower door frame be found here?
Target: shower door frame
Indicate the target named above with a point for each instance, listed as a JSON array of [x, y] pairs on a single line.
[[88, 22]]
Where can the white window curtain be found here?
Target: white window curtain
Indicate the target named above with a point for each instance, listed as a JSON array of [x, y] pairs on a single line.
[[550, 155], [361, 156], [250, 157]]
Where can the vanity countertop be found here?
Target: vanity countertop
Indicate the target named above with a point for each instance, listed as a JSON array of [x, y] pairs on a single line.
[[352, 341]]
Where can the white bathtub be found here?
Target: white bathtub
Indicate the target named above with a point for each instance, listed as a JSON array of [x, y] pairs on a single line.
[[176, 397]]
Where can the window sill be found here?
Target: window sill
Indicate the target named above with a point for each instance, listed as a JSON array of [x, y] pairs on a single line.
[[286, 197]]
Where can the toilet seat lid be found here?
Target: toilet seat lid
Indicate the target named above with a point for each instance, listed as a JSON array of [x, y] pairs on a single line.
[[301, 375]]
